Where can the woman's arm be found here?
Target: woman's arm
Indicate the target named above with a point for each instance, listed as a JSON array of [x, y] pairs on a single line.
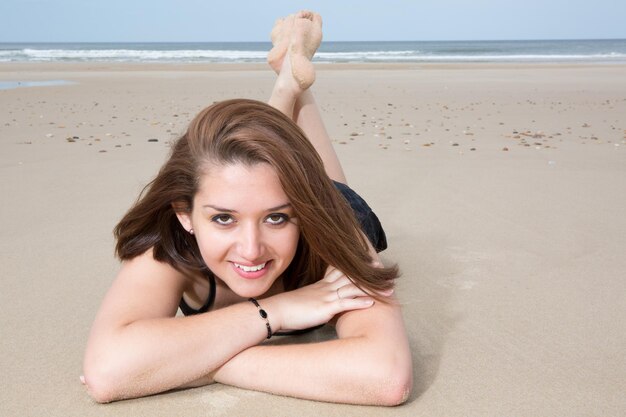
[[369, 363], [137, 347]]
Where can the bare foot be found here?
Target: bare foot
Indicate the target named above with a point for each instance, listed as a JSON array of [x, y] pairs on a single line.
[[297, 36], [281, 33], [287, 90], [287, 86], [305, 39]]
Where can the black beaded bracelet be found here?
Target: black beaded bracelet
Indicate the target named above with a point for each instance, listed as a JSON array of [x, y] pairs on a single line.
[[263, 315]]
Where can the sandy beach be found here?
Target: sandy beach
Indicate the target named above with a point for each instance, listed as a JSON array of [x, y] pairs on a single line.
[[502, 189]]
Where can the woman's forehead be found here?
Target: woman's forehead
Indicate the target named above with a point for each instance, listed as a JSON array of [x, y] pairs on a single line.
[[236, 171], [237, 186]]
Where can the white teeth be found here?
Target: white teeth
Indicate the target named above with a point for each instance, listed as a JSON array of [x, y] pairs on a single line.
[[250, 268]]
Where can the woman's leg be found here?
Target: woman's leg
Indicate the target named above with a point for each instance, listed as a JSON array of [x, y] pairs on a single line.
[[307, 116], [291, 93]]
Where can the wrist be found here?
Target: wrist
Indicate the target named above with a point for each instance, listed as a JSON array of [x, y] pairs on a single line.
[[263, 315], [272, 309]]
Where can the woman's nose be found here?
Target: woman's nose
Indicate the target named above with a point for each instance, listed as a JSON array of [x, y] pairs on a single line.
[[250, 242]]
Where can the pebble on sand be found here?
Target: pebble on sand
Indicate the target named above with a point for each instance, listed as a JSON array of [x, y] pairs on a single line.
[[153, 140]]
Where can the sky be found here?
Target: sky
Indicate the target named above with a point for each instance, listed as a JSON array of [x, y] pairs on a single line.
[[344, 20]]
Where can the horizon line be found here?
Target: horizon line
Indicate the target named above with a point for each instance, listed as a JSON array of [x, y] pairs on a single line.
[[327, 41]]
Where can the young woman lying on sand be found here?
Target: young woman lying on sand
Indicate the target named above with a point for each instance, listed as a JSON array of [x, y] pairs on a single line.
[[249, 228]]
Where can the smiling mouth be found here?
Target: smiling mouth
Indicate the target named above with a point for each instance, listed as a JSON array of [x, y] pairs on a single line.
[[253, 268]]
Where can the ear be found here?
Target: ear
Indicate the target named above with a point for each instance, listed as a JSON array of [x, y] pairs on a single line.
[[183, 213]]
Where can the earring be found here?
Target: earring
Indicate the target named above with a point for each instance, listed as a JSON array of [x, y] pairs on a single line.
[[191, 231]]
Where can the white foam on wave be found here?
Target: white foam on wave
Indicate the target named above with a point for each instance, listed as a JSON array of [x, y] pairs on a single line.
[[226, 55], [141, 55], [522, 58], [415, 56]]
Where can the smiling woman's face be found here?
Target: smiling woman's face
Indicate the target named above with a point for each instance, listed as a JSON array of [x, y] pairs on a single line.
[[244, 225]]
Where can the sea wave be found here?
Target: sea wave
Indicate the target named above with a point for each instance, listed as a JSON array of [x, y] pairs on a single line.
[[132, 55], [235, 56], [416, 56]]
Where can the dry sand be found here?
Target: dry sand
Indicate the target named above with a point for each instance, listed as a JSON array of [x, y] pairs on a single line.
[[513, 261]]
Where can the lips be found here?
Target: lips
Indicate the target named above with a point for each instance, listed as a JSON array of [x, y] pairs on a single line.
[[251, 271]]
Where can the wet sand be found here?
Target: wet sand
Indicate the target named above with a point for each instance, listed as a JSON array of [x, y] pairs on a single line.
[[502, 189]]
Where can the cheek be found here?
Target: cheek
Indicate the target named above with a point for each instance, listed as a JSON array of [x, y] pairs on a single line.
[[211, 246], [289, 242]]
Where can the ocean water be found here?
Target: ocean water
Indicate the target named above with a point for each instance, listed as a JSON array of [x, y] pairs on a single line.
[[605, 51]]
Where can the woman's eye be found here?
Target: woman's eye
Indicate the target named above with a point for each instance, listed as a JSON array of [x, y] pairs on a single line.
[[223, 219], [277, 218]]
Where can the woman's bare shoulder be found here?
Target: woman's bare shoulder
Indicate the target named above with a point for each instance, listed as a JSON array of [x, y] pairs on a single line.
[[145, 288]]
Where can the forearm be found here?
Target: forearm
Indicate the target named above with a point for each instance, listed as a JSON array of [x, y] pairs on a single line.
[[350, 370], [155, 355]]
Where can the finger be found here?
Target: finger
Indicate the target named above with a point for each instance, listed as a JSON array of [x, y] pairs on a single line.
[[332, 274], [359, 303], [82, 379], [386, 293], [350, 291], [377, 264], [343, 280]]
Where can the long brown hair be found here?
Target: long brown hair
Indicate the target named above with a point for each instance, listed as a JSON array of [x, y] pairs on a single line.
[[251, 132]]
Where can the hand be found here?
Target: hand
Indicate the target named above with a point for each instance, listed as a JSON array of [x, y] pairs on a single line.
[[316, 303]]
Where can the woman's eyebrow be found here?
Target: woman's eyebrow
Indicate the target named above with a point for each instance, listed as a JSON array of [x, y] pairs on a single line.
[[219, 208], [282, 206], [225, 210]]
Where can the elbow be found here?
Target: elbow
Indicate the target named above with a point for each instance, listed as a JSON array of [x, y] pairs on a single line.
[[397, 389], [395, 381], [102, 385], [98, 389]]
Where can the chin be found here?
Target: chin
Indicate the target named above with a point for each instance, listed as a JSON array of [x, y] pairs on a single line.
[[254, 291]]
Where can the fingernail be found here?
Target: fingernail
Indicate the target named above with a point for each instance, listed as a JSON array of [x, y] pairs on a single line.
[[82, 379]]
